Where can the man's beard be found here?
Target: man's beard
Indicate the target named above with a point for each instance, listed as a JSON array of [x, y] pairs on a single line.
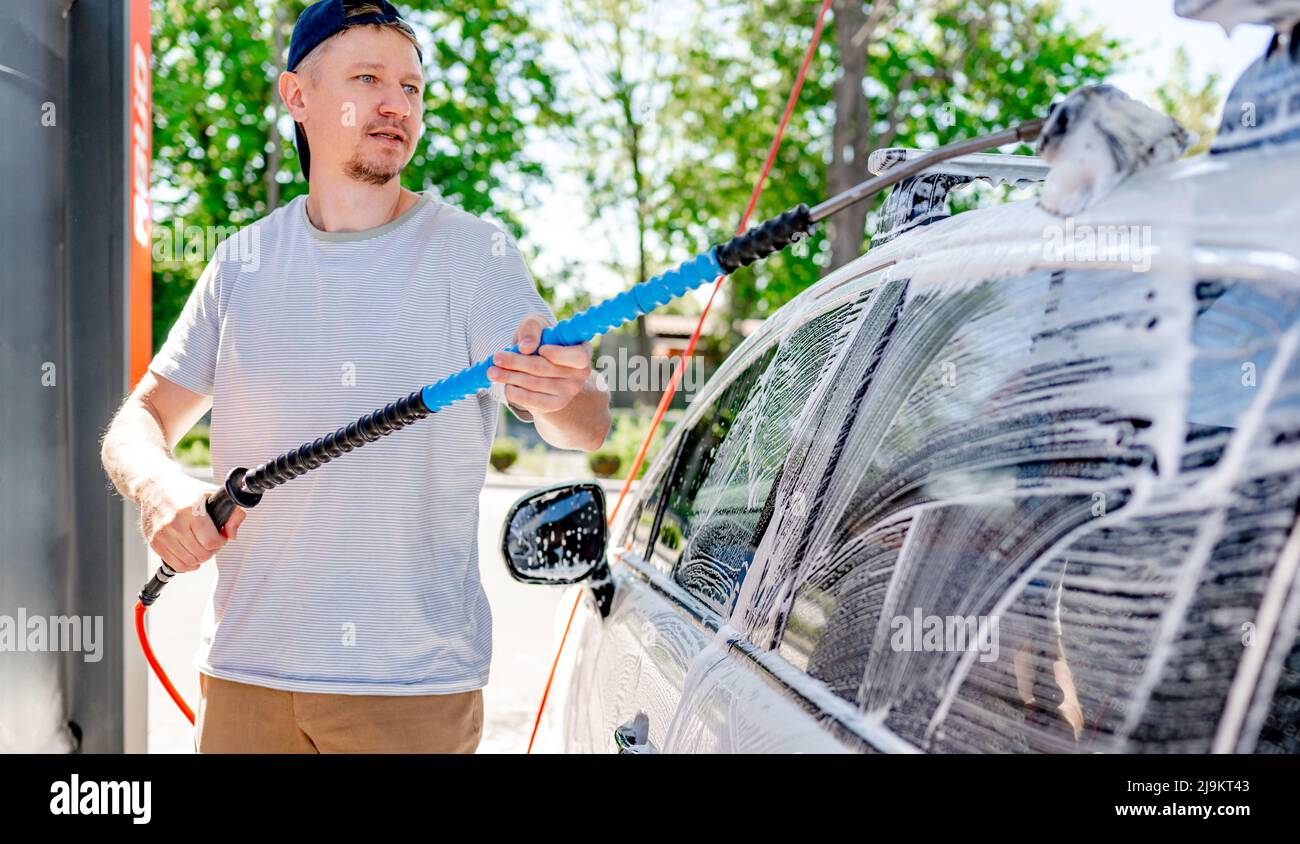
[[361, 170]]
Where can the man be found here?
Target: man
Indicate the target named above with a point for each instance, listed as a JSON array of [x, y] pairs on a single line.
[[348, 614]]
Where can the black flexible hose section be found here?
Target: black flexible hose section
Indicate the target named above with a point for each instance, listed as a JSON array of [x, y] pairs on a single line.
[[243, 488], [392, 417], [765, 239]]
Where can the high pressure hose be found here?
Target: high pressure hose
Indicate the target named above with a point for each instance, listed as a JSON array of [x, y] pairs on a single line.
[[245, 489]]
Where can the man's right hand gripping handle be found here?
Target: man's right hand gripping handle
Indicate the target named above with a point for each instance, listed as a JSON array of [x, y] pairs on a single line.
[[220, 507]]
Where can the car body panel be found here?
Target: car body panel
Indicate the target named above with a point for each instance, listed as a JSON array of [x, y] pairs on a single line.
[[652, 658], [995, 428]]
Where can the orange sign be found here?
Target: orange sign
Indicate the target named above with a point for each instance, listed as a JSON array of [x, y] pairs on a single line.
[[140, 272]]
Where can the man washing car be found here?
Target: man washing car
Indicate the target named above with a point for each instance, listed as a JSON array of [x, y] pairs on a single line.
[[348, 614]]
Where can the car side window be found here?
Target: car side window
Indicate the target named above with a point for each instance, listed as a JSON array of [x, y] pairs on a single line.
[[1046, 479], [713, 525], [644, 531], [717, 502], [637, 530], [1280, 732]]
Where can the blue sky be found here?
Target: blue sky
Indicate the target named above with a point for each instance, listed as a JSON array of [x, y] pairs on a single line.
[[1149, 26]]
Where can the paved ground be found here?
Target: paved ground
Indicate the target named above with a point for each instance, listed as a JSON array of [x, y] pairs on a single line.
[[523, 619]]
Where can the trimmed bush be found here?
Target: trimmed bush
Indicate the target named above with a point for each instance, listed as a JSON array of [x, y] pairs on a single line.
[[605, 462], [505, 452]]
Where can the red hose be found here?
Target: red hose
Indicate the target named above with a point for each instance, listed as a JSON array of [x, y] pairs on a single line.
[[140, 632], [671, 389]]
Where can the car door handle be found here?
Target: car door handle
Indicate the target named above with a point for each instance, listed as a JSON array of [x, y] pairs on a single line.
[[634, 736]]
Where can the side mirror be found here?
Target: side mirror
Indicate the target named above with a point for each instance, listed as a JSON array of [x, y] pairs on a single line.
[[556, 535]]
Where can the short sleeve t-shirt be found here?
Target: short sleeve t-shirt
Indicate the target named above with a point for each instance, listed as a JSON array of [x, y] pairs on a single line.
[[360, 577]]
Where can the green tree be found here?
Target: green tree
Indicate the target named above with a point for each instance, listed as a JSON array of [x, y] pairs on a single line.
[[1195, 106], [621, 51], [223, 146], [888, 73]]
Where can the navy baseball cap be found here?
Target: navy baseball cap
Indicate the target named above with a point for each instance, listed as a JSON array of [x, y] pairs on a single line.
[[317, 23]]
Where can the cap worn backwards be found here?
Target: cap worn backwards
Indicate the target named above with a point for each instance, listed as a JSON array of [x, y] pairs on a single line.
[[317, 23]]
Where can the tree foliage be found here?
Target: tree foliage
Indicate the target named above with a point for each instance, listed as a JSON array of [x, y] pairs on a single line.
[[928, 73], [669, 112], [1194, 105]]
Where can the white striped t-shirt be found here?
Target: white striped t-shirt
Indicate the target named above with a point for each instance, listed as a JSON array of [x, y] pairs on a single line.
[[361, 576]]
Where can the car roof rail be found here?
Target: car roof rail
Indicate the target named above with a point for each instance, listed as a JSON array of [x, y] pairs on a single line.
[[923, 199]]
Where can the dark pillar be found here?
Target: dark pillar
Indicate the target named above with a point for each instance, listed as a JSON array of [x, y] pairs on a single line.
[[65, 544]]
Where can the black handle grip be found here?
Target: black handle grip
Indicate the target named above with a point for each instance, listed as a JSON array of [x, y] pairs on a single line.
[[220, 506], [766, 239]]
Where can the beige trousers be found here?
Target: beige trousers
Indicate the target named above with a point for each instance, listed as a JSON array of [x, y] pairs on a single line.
[[242, 718]]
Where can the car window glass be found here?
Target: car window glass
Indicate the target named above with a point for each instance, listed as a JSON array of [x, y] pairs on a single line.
[[731, 456], [636, 530], [1056, 503], [1280, 730]]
